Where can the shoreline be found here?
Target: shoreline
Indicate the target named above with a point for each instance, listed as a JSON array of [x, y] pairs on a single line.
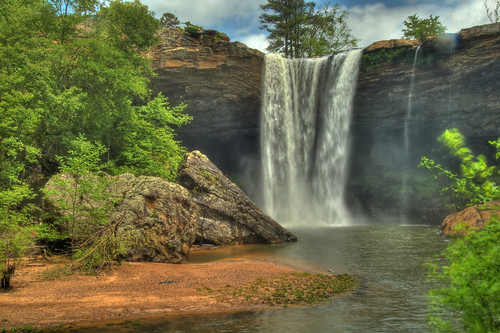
[[132, 291]]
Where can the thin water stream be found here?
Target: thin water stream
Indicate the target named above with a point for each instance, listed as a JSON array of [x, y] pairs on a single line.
[[387, 259]]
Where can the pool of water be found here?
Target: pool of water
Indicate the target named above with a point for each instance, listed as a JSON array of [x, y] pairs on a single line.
[[387, 259]]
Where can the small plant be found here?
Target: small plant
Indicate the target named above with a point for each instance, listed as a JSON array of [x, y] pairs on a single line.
[[475, 183], [193, 30], [465, 279], [80, 192]]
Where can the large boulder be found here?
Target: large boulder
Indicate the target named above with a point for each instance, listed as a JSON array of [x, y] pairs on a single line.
[[228, 216], [159, 219], [474, 217]]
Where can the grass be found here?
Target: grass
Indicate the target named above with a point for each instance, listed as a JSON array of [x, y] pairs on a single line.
[[287, 289]]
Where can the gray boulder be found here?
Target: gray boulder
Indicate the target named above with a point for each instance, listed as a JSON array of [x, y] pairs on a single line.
[[228, 215]]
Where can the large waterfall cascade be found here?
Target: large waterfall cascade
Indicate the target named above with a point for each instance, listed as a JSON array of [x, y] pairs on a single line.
[[306, 115], [406, 138]]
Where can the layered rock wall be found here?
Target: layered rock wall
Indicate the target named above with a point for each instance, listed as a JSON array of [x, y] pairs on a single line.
[[220, 82], [456, 85]]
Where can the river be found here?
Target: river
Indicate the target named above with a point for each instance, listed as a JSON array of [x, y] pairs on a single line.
[[387, 259]]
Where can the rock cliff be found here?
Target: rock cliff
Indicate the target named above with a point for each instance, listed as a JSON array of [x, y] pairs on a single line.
[[220, 82], [456, 85]]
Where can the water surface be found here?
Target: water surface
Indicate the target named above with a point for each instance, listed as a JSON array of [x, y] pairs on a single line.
[[387, 259]]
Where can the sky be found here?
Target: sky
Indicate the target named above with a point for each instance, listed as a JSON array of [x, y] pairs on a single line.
[[369, 20]]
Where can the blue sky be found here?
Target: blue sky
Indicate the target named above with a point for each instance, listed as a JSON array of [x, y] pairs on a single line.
[[370, 20]]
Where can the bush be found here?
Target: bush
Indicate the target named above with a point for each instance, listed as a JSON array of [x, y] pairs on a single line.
[[469, 285], [475, 181]]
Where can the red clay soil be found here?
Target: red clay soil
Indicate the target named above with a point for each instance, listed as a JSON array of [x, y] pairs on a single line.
[[127, 291]]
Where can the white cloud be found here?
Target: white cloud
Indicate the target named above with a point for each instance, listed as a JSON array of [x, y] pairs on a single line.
[[207, 13], [376, 22], [255, 41], [370, 22]]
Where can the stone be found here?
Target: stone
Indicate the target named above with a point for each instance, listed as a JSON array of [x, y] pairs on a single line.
[[159, 218], [390, 44], [474, 217], [227, 215]]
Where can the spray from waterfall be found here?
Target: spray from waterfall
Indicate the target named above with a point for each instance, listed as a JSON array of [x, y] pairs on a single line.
[[404, 187], [305, 123]]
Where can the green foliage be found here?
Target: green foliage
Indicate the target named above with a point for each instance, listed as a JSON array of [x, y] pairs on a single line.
[[376, 58], [475, 182], [420, 28], [71, 67], [169, 20], [129, 25], [468, 284], [192, 29], [80, 192], [15, 230], [297, 29], [289, 288], [148, 145]]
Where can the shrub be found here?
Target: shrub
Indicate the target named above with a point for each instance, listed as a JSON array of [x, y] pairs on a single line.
[[469, 284]]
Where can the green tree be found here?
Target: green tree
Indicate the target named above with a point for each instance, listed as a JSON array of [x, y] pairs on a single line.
[[169, 20], [420, 28], [70, 67], [149, 146], [297, 29], [476, 180], [327, 32], [80, 192], [468, 283], [16, 230], [493, 14]]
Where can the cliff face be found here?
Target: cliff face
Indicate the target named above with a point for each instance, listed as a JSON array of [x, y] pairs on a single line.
[[220, 82], [456, 84]]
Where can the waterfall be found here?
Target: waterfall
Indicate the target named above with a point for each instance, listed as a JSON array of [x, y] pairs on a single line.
[[406, 138], [306, 115]]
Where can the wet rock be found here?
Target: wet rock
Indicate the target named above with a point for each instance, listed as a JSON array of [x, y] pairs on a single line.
[[227, 216], [474, 217]]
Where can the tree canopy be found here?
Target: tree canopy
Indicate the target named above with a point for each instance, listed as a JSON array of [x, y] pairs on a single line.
[[73, 70], [420, 28], [298, 29]]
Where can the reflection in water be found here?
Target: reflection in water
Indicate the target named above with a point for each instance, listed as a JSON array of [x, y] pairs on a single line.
[[388, 260]]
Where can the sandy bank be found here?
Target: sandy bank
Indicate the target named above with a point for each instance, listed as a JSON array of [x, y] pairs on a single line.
[[130, 290]]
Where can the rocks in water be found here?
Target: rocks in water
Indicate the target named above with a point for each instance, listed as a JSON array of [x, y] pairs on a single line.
[[159, 219], [227, 216], [474, 217]]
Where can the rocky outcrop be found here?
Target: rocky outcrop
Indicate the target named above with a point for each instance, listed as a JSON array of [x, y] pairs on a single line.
[[456, 85], [471, 218], [156, 219], [228, 216], [220, 82]]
